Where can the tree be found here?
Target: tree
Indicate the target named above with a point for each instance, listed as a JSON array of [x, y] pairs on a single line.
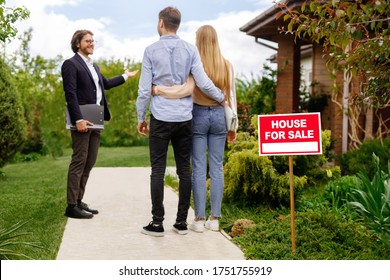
[[255, 96], [8, 16], [12, 128], [39, 81], [355, 36]]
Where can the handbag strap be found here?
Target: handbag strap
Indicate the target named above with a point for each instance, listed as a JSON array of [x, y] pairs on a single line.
[[232, 90]]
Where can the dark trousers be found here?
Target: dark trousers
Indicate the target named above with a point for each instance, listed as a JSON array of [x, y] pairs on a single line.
[[85, 149], [180, 136]]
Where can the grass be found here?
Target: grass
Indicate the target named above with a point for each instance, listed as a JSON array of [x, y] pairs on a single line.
[[126, 157], [10, 238], [34, 193]]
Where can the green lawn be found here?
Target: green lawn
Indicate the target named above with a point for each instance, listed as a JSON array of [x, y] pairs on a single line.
[[35, 192]]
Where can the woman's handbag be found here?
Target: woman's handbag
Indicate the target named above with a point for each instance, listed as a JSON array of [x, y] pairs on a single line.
[[230, 111], [230, 118]]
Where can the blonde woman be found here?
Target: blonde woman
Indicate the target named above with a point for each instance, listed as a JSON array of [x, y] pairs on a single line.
[[209, 128]]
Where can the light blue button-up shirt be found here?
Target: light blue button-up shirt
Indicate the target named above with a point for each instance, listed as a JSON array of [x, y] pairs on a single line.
[[168, 62]]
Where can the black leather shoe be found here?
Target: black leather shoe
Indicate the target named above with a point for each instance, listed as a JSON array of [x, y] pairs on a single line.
[[85, 207], [77, 213]]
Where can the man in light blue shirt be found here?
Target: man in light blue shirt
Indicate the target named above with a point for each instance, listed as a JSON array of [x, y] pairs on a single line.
[[168, 62]]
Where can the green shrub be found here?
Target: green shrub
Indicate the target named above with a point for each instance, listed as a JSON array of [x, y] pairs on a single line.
[[12, 125], [121, 130], [244, 141], [255, 179], [337, 191], [312, 166], [371, 200], [319, 236], [358, 160], [250, 178]]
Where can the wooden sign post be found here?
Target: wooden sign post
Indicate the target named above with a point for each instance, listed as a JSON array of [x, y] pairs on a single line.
[[292, 207], [290, 134]]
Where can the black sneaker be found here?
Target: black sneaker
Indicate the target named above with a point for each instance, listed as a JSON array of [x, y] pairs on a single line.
[[180, 228], [153, 229]]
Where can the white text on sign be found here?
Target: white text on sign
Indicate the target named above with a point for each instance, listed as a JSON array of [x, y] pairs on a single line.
[[282, 124], [281, 135], [288, 123]]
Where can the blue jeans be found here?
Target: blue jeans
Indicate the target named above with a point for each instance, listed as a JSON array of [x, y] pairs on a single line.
[[209, 136], [180, 135]]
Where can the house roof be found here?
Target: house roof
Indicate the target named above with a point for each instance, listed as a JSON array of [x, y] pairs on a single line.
[[266, 26]]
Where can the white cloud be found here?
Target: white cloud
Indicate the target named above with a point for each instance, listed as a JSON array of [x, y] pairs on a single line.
[[52, 33]]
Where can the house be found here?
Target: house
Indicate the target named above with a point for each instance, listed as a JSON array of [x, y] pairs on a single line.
[[289, 56]]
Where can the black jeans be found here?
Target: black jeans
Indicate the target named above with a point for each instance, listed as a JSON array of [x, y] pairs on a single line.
[[180, 135]]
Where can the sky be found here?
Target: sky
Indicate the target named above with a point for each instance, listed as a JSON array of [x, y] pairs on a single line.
[[124, 28]]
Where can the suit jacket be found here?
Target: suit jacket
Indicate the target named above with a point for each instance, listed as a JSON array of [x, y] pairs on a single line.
[[80, 88]]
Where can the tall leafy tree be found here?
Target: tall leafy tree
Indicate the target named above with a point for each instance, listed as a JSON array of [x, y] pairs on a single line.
[[355, 36], [39, 81]]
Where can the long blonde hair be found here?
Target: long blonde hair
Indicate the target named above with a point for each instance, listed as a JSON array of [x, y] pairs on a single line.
[[215, 65]]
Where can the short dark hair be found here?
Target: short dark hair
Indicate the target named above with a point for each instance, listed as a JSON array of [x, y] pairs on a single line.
[[77, 37], [171, 17]]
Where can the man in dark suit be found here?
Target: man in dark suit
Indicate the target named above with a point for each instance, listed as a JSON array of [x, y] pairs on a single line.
[[84, 84]]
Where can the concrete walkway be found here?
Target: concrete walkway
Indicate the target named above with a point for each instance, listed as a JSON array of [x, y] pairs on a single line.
[[122, 196]]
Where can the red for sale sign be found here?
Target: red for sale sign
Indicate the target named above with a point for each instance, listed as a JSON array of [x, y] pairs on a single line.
[[290, 134]]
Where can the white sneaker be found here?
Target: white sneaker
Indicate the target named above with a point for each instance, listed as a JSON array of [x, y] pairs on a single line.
[[212, 224], [197, 226]]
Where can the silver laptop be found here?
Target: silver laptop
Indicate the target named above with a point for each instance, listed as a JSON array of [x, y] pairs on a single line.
[[91, 112]]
